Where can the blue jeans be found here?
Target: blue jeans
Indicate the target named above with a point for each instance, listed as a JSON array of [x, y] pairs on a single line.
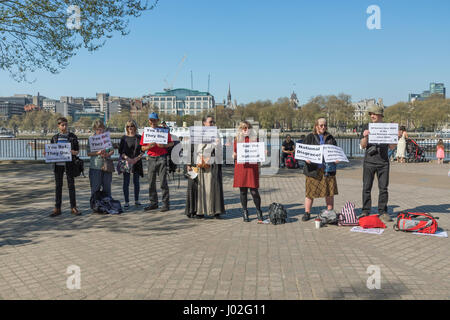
[[100, 180], [126, 186]]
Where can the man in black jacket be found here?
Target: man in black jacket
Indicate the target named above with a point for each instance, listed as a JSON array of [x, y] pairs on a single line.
[[64, 136], [376, 161]]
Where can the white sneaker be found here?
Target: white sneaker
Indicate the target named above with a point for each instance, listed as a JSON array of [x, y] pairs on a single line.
[[137, 203], [127, 205]]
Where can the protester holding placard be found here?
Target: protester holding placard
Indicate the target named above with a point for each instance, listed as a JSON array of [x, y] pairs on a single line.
[[100, 177], [320, 177], [376, 161], [246, 175], [157, 162], [130, 151], [64, 136], [209, 163]]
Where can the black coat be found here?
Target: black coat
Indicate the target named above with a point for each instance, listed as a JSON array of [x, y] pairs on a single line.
[[310, 169], [123, 149], [73, 139]]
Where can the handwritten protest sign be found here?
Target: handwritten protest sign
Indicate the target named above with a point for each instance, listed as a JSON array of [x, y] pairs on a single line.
[[58, 152], [308, 152], [199, 134], [157, 135], [333, 153], [251, 152], [383, 133], [100, 141]]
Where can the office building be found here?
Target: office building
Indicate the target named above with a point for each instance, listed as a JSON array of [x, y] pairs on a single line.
[[361, 108], [181, 101], [435, 88]]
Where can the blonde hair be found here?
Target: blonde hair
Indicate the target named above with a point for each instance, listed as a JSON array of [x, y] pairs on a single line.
[[98, 124], [252, 134], [130, 123], [316, 123]]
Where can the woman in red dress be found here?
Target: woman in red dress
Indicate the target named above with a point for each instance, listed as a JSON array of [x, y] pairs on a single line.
[[246, 175]]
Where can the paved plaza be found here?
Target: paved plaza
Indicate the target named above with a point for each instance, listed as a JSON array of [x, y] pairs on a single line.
[[153, 255]]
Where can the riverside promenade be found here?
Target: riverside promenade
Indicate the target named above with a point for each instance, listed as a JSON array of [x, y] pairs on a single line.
[[153, 255]]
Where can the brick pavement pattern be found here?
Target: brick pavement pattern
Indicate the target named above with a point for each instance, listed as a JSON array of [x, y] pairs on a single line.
[[153, 255]]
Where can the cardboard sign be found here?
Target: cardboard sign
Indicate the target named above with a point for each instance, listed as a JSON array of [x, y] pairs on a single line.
[[57, 152], [383, 133], [251, 152], [333, 153], [309, 152], [100, 142], [202, 134], [157, 135]]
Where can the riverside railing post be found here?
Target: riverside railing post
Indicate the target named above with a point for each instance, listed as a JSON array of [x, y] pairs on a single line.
[[35, 149], [351, 147]]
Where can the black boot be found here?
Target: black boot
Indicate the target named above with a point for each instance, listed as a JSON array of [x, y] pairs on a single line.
[[245, 215], [259, 215]]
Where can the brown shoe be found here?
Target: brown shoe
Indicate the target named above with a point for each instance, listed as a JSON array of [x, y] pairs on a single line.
[[56, 212], [75, 212]]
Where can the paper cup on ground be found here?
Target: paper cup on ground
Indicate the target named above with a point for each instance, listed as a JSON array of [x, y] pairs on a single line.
[[318, 223]]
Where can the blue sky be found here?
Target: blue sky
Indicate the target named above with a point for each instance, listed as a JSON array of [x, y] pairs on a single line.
[[263, 48]]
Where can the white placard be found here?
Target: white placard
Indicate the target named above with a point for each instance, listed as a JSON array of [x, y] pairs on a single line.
[[383, 133], [333, 153], [157, 135], [309, 152], [100, 142], [203, 134], [251, 152], [58, 152]]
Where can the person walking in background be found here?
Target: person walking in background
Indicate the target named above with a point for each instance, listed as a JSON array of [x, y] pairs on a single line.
[[401, 146], [130, 151], [100, 177], [64, 136], [157, 163], [440, 151], [320, 178], [246, 175]]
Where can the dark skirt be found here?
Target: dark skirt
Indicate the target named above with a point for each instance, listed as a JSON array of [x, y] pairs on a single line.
[[191, 197], [321, 186]]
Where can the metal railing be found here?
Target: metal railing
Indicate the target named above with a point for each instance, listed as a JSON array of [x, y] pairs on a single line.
[[32, 149]]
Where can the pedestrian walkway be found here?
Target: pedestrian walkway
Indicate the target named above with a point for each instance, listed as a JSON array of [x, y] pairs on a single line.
[[153, 255]]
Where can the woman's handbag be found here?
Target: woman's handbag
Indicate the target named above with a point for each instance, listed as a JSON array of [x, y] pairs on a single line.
[[108, 165], [123, 166]]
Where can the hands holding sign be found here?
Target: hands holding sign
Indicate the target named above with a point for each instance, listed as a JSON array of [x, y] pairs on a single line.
[[315, 153]]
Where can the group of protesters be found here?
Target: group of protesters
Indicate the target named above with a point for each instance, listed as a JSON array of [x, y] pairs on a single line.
[[204, 197]]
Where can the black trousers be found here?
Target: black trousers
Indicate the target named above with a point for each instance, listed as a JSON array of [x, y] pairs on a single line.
[[382, 173], [59, 174]]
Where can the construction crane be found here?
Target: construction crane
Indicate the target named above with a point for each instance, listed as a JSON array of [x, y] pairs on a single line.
[[170, 86]]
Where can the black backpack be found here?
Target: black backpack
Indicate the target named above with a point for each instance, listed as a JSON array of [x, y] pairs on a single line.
[[277, 213], [78, 167]]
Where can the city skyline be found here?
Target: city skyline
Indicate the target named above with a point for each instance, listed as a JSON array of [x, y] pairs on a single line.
[[264, 51]]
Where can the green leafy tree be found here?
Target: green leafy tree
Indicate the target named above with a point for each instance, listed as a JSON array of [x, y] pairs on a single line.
[[45, 34]]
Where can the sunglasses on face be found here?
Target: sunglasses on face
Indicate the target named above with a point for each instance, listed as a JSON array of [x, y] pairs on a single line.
[[131, 127], [322, 125]]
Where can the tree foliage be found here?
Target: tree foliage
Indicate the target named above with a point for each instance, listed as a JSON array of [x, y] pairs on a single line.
[[428, 115], [35, 34]]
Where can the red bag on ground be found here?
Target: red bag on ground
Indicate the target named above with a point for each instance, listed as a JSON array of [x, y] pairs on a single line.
[[416, 222], [370, 222]]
